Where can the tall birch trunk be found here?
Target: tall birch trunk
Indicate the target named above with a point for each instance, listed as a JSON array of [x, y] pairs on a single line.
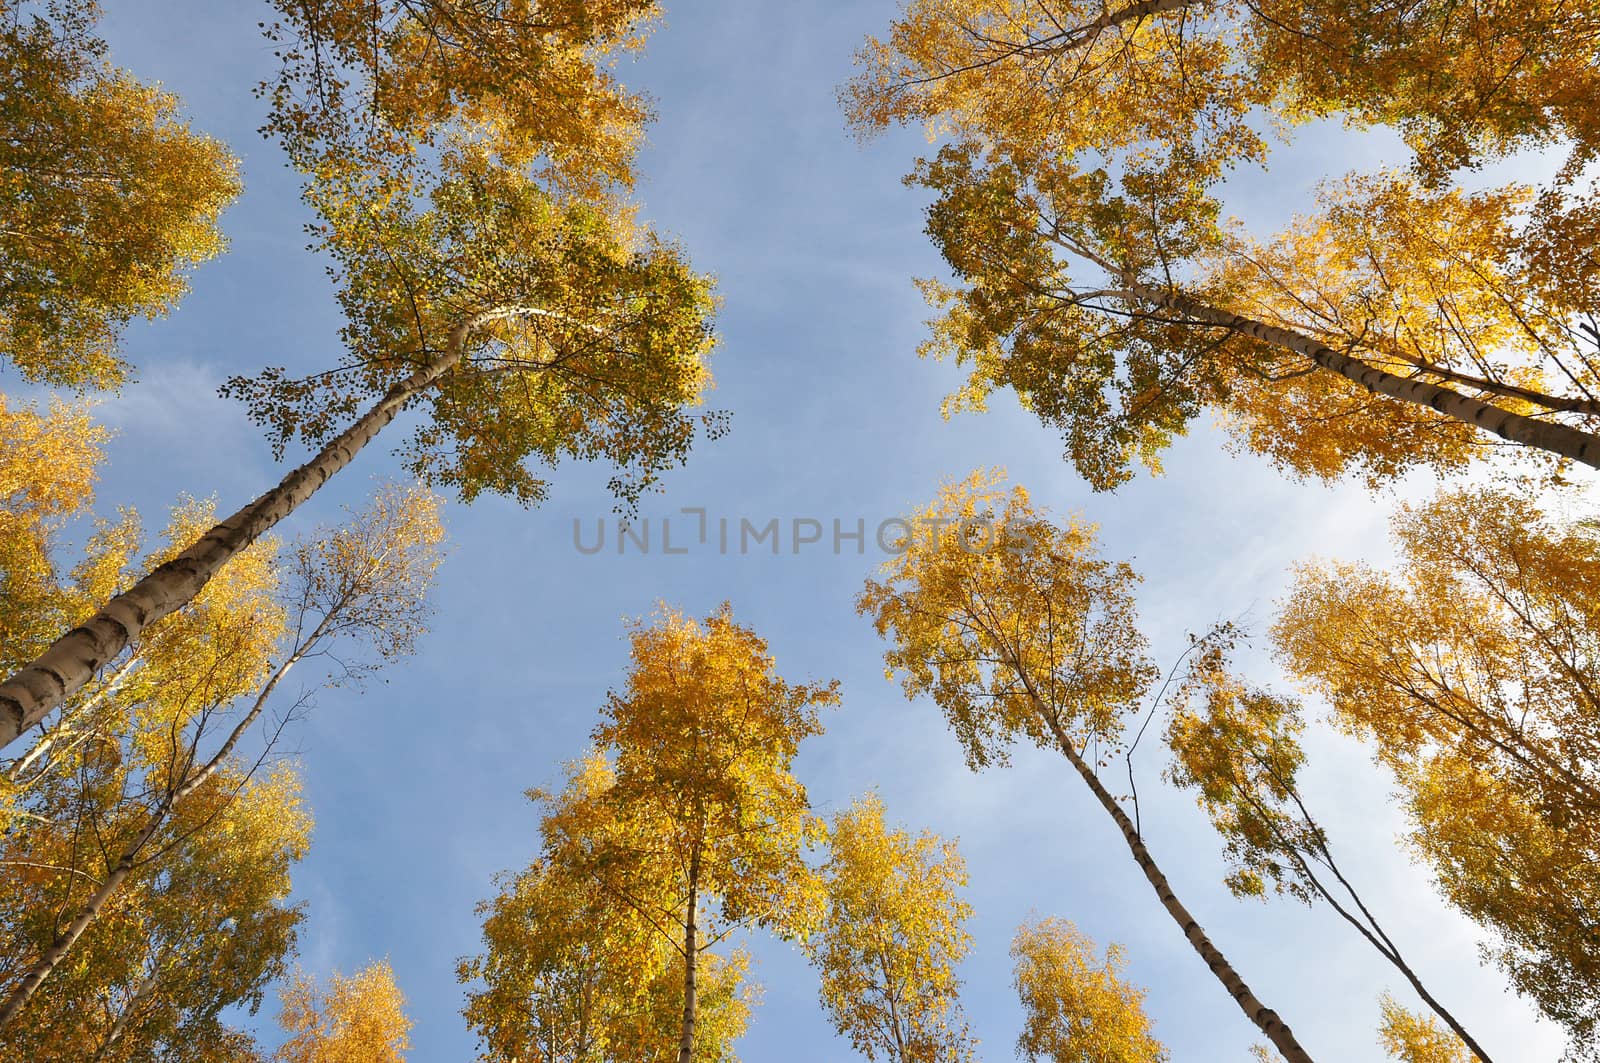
[[48, 743], [1264, 1018], [74, 658], [1559, 439], [690, 952], [66, 939]]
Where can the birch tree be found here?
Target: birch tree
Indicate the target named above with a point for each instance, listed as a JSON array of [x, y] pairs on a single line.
[[467, 168], [356, 1019], [1018, 630], [556, 971], [215, 650], [1412, 1038], [574, 973], [891, 937], [1403, 323], [1075, 1004], [703, 826], [359, 589], [1241, 755], [1470, 671]]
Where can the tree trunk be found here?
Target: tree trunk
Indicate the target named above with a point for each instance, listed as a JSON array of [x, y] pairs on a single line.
[[1392, 954], [1077, 36], [1558, 439], [74, 658], [1373, 931], [118, 1028], [891, 998], [690, 953], [1265, 1019], [49, 741], [1136, 12], [66, 939]]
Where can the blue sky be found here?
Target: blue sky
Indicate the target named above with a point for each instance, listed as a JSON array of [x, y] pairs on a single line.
[[417, 783]]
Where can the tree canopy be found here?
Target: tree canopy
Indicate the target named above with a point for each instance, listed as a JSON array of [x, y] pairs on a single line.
[[111, 199], [1470, 672], [1076, 1005], [891, 938], [470, 176], [1078, 203]]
